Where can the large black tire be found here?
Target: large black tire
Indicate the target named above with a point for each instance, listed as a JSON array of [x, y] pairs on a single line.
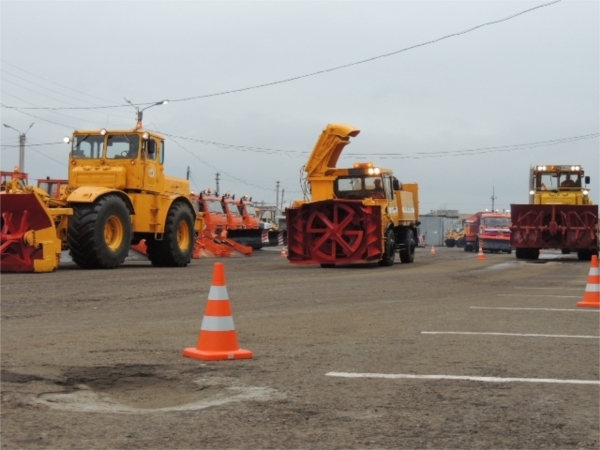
[[407, 254], [450, 242], [584, 254], [527, 253], [177, 243], [99, 234], [389, 252]]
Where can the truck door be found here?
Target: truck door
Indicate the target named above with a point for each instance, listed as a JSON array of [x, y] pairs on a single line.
[[150, 164]]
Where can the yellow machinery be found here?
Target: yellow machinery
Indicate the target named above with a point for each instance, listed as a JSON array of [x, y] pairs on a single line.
[[358, 214], [455, 238], [559, 215], [117, 195]]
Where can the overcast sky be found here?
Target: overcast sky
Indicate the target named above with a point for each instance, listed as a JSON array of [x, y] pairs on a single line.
[[530, 79]]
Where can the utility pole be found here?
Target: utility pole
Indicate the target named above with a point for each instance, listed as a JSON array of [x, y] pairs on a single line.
[[22, 137], [187, 175], [217, 180], [493, 197], [277, 198], [282, 195]]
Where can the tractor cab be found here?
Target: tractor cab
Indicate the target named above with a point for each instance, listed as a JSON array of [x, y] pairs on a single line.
[[16, 174], [559, 185], [120, 159], [52, 187]]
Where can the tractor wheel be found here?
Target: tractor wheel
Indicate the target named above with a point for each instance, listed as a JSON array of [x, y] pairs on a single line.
[[521, 253], [389, 255], [176, 247], [407, 254], [99, 234]]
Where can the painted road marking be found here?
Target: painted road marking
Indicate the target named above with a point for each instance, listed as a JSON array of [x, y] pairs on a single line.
[[539, 295], [512, 334], [552, 288], [460, 378], [536, 309]]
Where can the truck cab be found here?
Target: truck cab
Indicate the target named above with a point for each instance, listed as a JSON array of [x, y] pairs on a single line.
[[234, 217], [249, 214], [215, 218]]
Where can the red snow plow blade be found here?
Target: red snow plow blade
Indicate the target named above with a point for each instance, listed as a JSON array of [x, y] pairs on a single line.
[[334, 232], [554, 226]]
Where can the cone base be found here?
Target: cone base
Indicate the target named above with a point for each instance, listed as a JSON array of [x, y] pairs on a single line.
[[585, 304], [217, 356]]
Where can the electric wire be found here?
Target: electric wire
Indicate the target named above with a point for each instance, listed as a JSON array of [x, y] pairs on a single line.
[[319, 72]]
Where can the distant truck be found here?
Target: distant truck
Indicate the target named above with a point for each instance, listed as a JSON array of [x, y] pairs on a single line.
[[243, 224], [490, 230], [560, 214]]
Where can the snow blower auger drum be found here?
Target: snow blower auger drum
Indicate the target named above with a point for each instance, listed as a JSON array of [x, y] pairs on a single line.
[[29, 241]]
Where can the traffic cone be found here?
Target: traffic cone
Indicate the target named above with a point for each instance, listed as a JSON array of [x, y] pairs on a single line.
[[432, 250], [217, 339], [591, 297], [283, 253], [480, 255]]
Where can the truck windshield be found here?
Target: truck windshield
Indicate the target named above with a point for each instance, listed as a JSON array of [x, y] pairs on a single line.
[[88, 146], [497, 222], [250, 210], [546, 181], [232, 208], [214, 206], [123, 146]]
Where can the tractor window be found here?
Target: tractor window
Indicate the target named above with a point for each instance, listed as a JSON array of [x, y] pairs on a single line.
[[150, 149], [88, 146], [349, 188], [250, 210], [546, 181], [570, 180], [124, 146], [162, 152]]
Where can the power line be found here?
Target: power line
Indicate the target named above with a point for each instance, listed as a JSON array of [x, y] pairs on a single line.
[[319, 72]]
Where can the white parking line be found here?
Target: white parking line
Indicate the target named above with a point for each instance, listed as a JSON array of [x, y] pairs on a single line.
[[539, 295], [512, 334], [536, 309], [459, 378], [550, 288]]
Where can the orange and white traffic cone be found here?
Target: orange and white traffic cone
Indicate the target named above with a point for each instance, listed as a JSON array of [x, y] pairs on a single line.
[[432, 250], [591, 297], [217, 339], [480, 255], [283, 253]]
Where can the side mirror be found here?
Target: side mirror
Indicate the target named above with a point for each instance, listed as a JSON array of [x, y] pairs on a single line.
[[587, 179], [396, 184]]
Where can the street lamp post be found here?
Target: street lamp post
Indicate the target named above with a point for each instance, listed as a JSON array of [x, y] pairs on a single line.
[[140, 112], [22, 137]]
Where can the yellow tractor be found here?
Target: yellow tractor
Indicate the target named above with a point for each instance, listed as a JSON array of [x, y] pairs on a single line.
[[357, 214], [117, 195]]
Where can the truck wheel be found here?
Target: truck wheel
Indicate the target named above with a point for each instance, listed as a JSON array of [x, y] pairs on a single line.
[[450, 243], [389, 254], [407, 255], [533, 253], [99, 234], [521, 253], [176, 247], [584, 255]]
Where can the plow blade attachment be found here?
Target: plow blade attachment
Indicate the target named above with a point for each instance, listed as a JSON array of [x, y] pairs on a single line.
[[28, 241], [334, 232], [248, 237], [554, 226]]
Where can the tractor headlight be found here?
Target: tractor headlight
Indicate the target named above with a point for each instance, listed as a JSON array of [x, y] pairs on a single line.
[[145, 135], [531, 192], [370, 171], [67, 139], [103, 131], [586, 192]]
